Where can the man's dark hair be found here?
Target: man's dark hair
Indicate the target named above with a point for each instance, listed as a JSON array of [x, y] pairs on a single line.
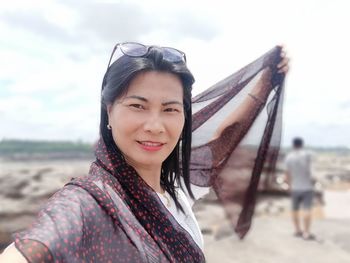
[[298, 142]]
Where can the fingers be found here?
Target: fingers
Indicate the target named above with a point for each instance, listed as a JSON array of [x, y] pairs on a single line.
[[283, 62], [283, 70], [283, 66]]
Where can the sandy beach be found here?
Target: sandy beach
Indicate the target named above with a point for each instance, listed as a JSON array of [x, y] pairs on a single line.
[[271, 239]]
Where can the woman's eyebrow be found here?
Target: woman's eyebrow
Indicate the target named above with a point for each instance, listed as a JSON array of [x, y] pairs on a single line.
[[146, 100], [172, 102], [136, 97]]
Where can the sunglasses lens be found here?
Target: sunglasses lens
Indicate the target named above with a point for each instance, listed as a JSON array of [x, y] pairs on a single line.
[[133, 49], [173, 55]]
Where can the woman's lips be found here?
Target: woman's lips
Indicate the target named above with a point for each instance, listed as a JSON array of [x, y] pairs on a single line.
[[150, 146]]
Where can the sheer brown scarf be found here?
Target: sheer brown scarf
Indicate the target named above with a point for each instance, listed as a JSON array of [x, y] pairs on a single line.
[[248, 144]]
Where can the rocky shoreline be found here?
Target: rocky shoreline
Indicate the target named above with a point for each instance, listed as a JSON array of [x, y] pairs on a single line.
[[26, 185]]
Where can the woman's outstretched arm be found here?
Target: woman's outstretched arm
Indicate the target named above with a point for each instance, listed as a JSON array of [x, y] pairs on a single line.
[[255, 99]]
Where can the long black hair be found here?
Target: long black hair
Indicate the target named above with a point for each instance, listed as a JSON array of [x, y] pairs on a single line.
[[115, 84]]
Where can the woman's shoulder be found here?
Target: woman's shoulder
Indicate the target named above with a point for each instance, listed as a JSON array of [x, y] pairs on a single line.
[[70, 195], [62, 221], [70, 205]]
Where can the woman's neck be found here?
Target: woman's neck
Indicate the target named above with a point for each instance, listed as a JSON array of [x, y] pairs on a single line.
[[150, 174]]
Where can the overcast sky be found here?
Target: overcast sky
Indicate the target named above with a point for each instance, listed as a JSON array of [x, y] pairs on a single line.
[[53, 55]]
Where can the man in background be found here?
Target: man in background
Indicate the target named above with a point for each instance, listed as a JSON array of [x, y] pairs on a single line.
[[298, 173]]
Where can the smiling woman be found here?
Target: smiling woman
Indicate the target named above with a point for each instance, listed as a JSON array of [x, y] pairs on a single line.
[[147, 122], [135, 204]]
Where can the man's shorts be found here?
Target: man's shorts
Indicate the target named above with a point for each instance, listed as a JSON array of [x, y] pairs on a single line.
[[303, 198]]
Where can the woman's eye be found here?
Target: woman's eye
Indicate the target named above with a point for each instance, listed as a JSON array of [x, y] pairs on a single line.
[[137, 106], [172, 110]]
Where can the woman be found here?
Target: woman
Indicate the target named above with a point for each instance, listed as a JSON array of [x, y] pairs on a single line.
[[135, 205]]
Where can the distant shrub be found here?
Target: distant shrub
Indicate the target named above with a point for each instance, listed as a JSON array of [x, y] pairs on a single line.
[[10, 147]]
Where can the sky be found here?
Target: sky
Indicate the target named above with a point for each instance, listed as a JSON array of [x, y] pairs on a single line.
[[53, 55]]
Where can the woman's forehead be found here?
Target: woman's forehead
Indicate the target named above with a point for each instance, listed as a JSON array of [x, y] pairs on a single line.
[[155, 85]]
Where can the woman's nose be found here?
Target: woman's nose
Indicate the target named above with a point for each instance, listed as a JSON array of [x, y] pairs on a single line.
[[154, 123]]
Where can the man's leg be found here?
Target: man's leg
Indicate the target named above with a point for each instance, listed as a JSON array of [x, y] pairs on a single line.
[[307, 222], [295, 213], [307, 205], [296, 221]]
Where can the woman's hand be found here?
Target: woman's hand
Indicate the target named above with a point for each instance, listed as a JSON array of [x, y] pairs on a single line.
[[283, 66], [262, 89]]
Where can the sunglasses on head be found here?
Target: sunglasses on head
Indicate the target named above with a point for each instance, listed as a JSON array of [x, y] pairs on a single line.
[[133, 49]]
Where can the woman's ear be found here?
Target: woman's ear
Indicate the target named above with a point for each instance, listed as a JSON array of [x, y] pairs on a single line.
[[109, 109]]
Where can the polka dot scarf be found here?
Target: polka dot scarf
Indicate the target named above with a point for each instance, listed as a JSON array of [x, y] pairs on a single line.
[[112, 215]]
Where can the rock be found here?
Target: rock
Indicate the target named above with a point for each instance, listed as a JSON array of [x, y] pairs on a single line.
[[223, 231], [25, 190]]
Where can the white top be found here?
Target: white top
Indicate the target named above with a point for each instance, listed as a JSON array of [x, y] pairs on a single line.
[[188, 220], [298, 165]]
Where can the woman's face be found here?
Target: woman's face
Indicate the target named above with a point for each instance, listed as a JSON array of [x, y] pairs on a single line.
[[148, 120]]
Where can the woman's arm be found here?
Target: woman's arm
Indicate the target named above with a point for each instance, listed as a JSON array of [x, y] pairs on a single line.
[[12, 255], [255, 99]]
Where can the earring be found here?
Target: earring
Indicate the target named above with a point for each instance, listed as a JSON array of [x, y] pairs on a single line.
[[109, 127]]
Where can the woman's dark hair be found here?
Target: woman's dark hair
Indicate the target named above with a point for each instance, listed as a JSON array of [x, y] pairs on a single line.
[[115, 84]]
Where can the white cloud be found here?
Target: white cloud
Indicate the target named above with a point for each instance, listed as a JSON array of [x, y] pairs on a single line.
[[54, 54]]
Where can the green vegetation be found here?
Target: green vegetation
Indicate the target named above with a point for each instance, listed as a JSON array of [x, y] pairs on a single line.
[[10, 147]]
